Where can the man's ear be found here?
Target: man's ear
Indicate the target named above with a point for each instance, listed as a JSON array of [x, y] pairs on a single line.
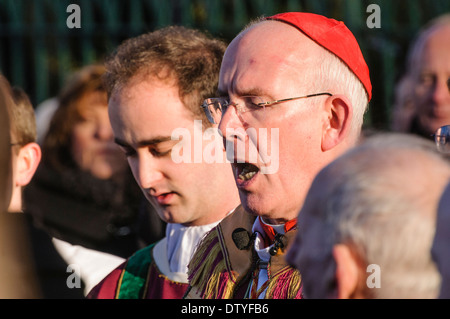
[[347, 271], [337, 125], [27, 163]]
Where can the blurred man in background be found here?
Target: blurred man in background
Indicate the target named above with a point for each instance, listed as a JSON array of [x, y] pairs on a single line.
[[423, 94]]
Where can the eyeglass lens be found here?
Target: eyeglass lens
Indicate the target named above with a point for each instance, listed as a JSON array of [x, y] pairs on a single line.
[[216, 107]]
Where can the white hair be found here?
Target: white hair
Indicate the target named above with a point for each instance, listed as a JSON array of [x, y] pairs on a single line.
[[371, 203], [332, 75], [335, 77]]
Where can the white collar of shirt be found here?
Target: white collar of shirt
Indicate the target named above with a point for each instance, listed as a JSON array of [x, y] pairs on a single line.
[[178, 247], [181, 244], [173, 253]]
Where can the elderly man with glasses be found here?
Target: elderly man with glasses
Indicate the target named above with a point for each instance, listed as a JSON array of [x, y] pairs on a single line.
[[298, 80]]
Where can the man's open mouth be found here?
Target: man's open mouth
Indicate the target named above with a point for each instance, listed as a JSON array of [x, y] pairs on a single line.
[[245, 171]]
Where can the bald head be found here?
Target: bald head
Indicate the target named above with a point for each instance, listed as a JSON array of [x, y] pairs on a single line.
[[267, 48], [428, 79], [274, 47], [433, 38]]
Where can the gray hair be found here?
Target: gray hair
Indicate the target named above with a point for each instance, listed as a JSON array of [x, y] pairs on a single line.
[[376, 204], [332, 75], [335, 76]]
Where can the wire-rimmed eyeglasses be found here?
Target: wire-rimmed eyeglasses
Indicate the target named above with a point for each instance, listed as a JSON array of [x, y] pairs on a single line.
[[217, 106], [442, 139]]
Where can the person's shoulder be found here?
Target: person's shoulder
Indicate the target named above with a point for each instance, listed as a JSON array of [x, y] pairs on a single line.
[[107, 287], [217, 262], [239, 219], [217, 235], [137, 263]]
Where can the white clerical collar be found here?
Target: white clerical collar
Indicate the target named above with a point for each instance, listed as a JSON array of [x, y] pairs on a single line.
[[181, 244], [173, 253], [261, 250], [279, 228]]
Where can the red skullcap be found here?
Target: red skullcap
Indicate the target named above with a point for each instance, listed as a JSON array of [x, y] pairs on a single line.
[[335, 37]]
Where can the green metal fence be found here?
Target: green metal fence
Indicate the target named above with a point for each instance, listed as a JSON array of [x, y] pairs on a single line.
[[38, 50]]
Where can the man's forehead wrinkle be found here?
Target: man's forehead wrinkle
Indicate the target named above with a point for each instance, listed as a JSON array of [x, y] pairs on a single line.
[[252, 53], [243, 83], [299, 52]]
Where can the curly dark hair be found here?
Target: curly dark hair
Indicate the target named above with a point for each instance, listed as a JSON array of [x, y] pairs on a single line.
[[190, 57]]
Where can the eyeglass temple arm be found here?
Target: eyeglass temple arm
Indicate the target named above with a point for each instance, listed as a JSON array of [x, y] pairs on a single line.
[[295, 98]]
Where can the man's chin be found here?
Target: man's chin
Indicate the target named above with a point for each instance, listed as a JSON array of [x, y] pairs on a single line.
[[167, 215], [253, 205], [268, 209]]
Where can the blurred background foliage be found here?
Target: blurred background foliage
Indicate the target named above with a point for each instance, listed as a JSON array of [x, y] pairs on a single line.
[[38, 50]]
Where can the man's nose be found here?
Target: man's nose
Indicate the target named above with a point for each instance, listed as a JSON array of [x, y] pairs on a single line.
[[232, 128], [231, 125], [148, 172]]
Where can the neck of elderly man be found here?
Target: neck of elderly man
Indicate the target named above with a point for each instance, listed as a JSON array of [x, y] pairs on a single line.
[[274, 60]]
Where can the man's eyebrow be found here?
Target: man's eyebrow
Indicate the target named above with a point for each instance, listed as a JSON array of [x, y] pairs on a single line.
[[120, 142], [148, 142], [248, 92], [221, 93]]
